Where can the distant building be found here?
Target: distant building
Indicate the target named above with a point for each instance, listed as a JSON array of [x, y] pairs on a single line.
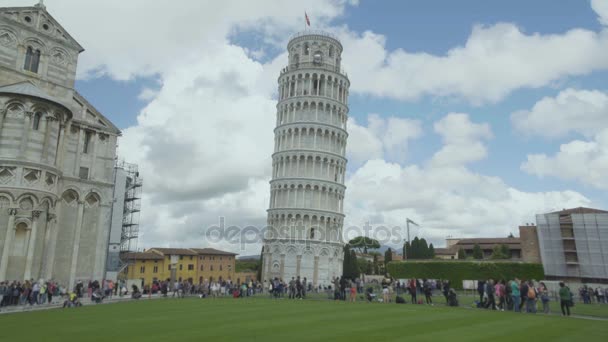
[[446, 253], [180, 264], [574, 244], [487, 246], [523, 248]]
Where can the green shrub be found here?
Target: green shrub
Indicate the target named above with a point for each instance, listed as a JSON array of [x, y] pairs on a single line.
[[457, 271]]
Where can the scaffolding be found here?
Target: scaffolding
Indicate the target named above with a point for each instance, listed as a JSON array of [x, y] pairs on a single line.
[[131, 208]]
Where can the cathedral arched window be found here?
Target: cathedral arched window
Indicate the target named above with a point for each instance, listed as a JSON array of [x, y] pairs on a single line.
[[36, 123], [32, 59], [312, 233], [306, 49], [331, 51]]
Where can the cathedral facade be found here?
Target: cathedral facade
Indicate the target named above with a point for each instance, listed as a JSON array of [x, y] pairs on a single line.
[[57, 155], [307, 187]]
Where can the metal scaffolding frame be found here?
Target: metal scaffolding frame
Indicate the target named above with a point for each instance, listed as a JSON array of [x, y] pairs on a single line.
[[132, 207]]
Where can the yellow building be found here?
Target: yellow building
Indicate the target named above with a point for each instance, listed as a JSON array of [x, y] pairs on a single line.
[[181, 264]]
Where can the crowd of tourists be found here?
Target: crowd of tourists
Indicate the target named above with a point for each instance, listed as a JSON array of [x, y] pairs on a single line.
[[31, 292], [211, 289], [531, 297]]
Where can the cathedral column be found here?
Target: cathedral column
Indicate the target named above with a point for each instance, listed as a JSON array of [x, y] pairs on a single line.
[[315, 274], [93, 144], [59, 156], [282, 269], [78, 152], [47, 134], [50, 225], [2, 114], [26, 133], [29, 260], [76, 244], [298, 265], [8, 240], [50, 254]]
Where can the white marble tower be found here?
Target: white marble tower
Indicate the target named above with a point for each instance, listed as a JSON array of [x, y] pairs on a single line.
[[307, 187]]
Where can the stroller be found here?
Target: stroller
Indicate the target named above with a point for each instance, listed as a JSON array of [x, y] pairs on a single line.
[[452, 298], [370, 295], [135, 294], [97, 297]]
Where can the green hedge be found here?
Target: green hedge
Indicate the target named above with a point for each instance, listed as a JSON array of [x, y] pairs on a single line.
[[457, 271]]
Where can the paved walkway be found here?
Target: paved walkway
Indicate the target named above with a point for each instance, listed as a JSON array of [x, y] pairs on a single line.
[[58, 303]]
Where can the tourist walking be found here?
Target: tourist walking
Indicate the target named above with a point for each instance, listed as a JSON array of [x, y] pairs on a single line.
[[490, 292], [530, 298], [565, 299], [515, 295], [544, 296], [412, 288]]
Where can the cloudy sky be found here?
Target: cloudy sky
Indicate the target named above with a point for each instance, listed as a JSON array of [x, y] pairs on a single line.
[[468, 117]]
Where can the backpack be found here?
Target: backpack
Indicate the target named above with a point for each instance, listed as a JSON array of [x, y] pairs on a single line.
[[531, 293]]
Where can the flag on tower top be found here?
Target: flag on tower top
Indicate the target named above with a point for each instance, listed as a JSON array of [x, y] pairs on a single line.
[[307, 20]]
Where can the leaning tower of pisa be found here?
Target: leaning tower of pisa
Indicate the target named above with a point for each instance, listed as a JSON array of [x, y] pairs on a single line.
[[307, 187]]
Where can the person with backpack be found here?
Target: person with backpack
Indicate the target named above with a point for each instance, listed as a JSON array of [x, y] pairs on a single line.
[[565, 298], [544, 296], [531, 298]]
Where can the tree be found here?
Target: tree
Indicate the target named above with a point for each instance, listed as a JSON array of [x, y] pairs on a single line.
[[350, 268], [363, 243], [501, 252], [354, 265], [370, 268], [376, 266], [461, 254], [362, 266], [424, 249], [477, 253], [431, 251], [505, 251], [388, 257], [415, 254], [346, 261], [407, 250]]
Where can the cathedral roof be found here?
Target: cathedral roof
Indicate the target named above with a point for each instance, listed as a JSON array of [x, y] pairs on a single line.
[[28, 88], [58, 33]]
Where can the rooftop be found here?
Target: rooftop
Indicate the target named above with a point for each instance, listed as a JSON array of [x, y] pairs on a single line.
[[580, 210], [142, 256], [187, 251]]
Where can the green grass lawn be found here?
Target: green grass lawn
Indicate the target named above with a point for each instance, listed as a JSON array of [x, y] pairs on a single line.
[[263, 319], [593, 310]]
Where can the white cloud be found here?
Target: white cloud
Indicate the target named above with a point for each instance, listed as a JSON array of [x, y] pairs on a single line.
[[584, 112], [601, 8], [494, 61], [382, 138], [581, 111], [147, 94], [446, 198], [582, 161], [463, 140], [144, 38]]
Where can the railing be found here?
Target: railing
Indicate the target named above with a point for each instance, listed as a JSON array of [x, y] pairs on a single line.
[[323, 66], [313, 32]]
